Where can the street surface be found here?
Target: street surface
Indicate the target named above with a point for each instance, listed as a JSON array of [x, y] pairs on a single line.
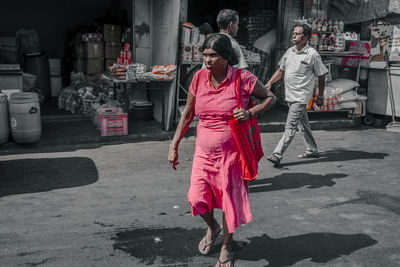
[[123, 205]]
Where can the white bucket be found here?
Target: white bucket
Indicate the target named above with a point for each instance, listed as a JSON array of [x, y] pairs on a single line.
[[4, 126], [25, 121]]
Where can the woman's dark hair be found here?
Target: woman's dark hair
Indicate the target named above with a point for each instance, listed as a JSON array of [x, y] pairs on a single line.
[[306, 29], [221, 44]]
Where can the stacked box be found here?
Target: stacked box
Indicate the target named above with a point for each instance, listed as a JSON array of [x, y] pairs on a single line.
[[112, 44], [111, 53], [111, 33], [89, 54], [112, 49], [191, 42]]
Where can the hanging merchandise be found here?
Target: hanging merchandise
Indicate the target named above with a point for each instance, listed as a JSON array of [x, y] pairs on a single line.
[[395, 50]]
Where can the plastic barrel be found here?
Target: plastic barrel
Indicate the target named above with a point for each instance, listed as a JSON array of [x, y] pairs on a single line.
[[38, 64], [25, 121], [142, 111], [4, 126]]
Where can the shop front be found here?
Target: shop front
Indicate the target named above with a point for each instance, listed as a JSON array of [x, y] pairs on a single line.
[[82, 58]]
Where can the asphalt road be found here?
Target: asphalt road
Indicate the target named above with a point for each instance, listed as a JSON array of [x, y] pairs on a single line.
[[122, 205]]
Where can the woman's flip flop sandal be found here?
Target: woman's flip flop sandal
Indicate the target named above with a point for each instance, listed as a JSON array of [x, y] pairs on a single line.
[[229, 259], [209, 244]]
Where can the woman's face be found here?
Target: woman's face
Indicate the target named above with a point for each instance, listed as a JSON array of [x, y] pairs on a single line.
[[213, 61]]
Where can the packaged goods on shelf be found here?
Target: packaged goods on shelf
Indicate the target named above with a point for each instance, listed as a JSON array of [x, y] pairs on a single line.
[[109, 62], [395, 50], [92, 37], [167, 72], [187, 52], [186, 35], [133, 70], [118, 71], [168, 69]]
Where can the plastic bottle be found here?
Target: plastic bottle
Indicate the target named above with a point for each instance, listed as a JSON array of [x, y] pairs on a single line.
[[321, 43], [326, 41], [319, 25], [330, 26], [336, 26], [314, 40], [341, 26], [324, 27], [314, 25], [331, 43]]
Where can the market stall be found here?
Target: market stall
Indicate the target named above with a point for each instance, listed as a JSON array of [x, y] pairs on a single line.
[[257, 23]]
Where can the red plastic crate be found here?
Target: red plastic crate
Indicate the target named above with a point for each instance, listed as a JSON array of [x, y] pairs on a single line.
[[106, 111], [112, 122]]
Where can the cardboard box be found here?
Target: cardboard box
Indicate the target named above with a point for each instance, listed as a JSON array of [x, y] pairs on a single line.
[[94, 65], [11, 81], [79, 50], [111, 33], [111, 49], [197, 55], [94, 49], [9, 41], [195, 35], [186, 36], [79, 65], [187, 52], [108, 62]]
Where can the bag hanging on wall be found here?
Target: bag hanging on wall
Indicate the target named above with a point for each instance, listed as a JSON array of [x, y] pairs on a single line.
[[247, 138]]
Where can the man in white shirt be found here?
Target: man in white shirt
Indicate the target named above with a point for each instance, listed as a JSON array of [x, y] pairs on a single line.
[[228, 23], [299, 66]]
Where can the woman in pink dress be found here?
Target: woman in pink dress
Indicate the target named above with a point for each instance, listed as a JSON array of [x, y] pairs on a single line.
[[216, 180]]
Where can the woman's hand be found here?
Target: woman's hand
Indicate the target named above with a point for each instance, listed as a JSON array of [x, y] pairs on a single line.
[[173, 157], [242, 114]]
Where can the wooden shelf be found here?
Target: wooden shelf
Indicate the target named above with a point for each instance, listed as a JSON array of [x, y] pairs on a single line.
[[340, 54]]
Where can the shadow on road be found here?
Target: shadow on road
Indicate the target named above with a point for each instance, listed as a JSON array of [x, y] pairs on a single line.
[[169, 245], [293, 180], [339, 155], [45, 174], [178, 245], [388, 202], [286, 251]]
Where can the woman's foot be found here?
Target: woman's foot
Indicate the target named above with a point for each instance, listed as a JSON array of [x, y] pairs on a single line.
[[207, 242], [225, 258]]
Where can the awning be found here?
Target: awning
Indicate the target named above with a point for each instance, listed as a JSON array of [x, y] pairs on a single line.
[[352, 11]]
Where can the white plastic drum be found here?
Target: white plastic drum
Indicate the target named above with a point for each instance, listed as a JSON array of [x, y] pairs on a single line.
[[25, 121], [4, 125]]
